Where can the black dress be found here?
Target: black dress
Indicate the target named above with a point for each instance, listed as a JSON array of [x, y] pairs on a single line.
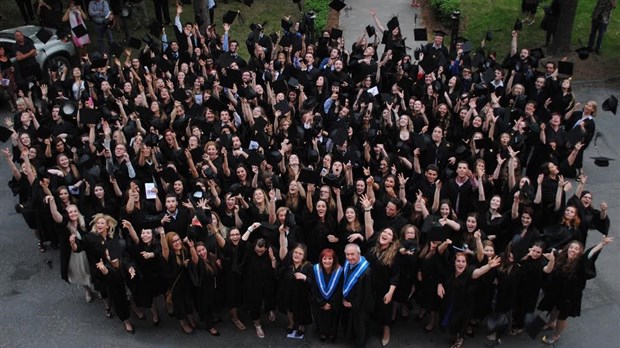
[[95, 247], [408, 275], [326, 320], [529, 283], [233, 264], [458, 301], [294, 294], [431, 268], [119, 283]]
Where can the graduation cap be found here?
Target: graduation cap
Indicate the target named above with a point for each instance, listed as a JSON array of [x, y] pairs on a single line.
[[309, 176], [393, 23], [565, 68], [611, 104], [255, 158], [179, 95], [488, 36], [518, 25], [229, 17], [44, 35], [169, 175], [420, 34], [151, 139], [247, 93], [5, 134], [283, 107], [286, 41], [602, 161], [232, 76], [214, 104], [280, 87], [537, 53], [488, 75], [286, 25], [429, 64], [335, 33], [99, 63], [43, 132], [438, 234], [84, 161], [268, 226], [583, 53], [163, 64], [339, 135], [79, 30], [332, 180], [370, 30], [225, 60], [533, 324], [467, 47], [116, 50], [135, 43], [337, 5], [273, 157], [90, 116], [484, 143], [440, 32], [293, 82]]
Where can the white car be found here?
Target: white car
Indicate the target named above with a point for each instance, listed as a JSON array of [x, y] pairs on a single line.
[[55, 53]]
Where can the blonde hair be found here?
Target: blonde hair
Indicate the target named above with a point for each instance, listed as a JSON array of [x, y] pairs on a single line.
[[110, 220]]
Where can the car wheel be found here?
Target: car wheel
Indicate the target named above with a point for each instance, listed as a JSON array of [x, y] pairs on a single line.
[[56, 62]]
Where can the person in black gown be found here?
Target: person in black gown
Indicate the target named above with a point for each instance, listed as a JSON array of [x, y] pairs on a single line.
[[357, 295], [205, 273]]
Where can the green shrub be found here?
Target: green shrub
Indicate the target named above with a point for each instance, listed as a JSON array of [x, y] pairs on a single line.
[[322, 11], [444, 8]]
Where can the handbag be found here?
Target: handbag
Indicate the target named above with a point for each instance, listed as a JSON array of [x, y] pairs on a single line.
[[168, 295]]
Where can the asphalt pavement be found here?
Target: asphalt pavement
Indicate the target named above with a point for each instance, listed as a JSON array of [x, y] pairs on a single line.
[[37, 308]]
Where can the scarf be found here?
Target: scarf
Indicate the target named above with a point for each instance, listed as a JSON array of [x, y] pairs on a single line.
[[351, 279], [326, 290]]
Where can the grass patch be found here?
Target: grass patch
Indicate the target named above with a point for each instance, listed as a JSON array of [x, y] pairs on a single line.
[[321, 7], [478, 16]]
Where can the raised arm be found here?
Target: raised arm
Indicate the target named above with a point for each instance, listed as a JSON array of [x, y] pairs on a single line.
[[479, 272], [368, 222], [53, 209]]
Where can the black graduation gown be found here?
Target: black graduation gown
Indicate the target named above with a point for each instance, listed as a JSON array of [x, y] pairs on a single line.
[[384, 276], [259, 283], [294, 294], [182, 289], [408, 276], [151, 283], [95, 247], [233, 262], [431, 268], [326, 321], [355, 319], [458, 301], [119, 283], [64, 247], [206, 282], [529, 283]]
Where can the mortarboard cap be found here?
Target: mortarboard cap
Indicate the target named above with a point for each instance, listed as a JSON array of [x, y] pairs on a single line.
[[488, 75], [214, 104], [179, 95], [437, 234], [537, 53], [151, 139], [420, 34], [229, 17], [99, 63], [255, 158], [114, 249], [169, 175], [337, 5], [90, 116], [488, 36], [293, 82], [116, 50], [565, 68], [533, 324], [611, 104], [44, 35], [309, 176], [370, 30], [43, 132], [286, 41], [280, 87], [429, 64], [163, 64], [602, 161], [232, 77], [518, 25], [79, 30], [467, 47], [5, 134], [283, 107], [332, 180], [339, 136], [273, 157], [134, 43], [483, 143], [335, 33], [583, 53], [393, 23], [155, 29], [440, 32]]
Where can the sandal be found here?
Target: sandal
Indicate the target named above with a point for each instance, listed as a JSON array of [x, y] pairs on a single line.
[[238, 324], [108, 312], [259, 331], [550, 340], [42, 248], [458, 343]]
